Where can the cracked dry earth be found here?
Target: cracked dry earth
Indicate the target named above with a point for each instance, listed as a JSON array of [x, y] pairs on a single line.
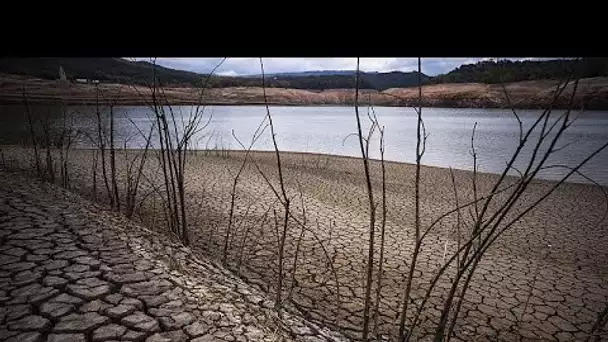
[[546, 278], [71, 272]]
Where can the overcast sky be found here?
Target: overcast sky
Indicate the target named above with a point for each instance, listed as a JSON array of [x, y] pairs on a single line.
[[251, 66]]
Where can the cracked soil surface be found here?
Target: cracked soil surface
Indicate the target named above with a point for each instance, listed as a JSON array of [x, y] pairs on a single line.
[[71, 272], [546, 278]]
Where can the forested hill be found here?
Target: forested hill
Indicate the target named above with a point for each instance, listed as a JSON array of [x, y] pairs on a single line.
[[118, 70], [491, 72]]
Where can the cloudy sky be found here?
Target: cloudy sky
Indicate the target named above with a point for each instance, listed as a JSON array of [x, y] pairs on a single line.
[[251, 66]]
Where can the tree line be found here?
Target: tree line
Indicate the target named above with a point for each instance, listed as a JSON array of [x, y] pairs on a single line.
[[493, 72]]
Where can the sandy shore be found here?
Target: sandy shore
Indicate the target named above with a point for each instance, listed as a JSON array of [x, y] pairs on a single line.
[[552, 263]]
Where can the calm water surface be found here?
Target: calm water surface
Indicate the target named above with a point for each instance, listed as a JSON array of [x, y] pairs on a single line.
[[330, 130]]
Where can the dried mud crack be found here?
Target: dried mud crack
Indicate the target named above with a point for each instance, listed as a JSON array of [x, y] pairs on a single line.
[[546, 278], [70, 271]]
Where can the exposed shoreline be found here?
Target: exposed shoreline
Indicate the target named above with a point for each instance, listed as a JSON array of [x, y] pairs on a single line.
[[334, 196], [402, 163], [591, 94], [357, 158]]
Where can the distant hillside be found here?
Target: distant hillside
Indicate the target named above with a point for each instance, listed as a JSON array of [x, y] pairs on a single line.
[[343, 79], [118, 70], [346, 80], [395, 79], [491, 72], [108, 70], [307, 73], [592, 93]]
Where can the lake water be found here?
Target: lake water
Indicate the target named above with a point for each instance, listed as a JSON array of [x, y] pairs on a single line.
[[330, 130]]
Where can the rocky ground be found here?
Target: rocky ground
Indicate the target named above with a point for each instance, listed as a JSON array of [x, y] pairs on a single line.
[[592, 93], [69, 271]]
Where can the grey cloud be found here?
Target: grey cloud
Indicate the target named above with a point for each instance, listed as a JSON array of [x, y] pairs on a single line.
[[430, 66], [248, 66]]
